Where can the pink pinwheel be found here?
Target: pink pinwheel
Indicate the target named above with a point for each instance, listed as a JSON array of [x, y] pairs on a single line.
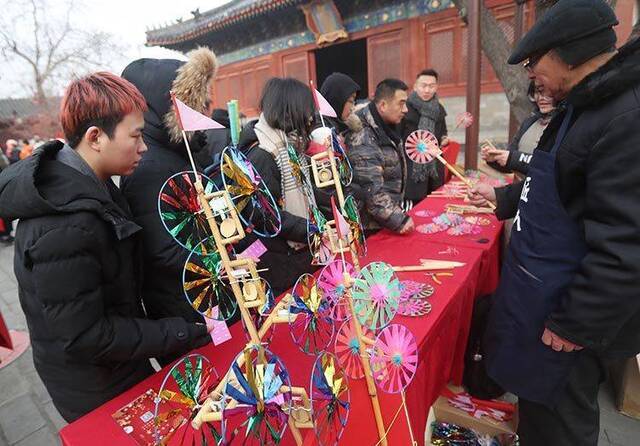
[[331, 282], [394, 359], [347, 349], [464, 120], [422, 147]]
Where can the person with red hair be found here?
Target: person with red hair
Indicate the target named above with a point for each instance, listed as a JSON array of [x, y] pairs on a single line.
[[76, 252]]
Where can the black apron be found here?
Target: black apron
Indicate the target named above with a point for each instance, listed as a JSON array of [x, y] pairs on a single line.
[[545, 252]]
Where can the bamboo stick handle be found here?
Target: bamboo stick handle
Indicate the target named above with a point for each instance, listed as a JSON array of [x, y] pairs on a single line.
[[371, 387], [441, 264], [295, 431], [413, 268], [461, 177]]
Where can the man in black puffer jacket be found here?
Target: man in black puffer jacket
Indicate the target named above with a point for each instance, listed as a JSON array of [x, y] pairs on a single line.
[[75, 254], [568, 297], [164, 258]]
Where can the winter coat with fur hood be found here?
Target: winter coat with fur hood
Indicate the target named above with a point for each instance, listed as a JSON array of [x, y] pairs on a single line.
[[164, 259], [598, 183], [379, 171]]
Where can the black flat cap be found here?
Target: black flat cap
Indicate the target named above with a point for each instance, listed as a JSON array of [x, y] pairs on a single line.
[[577, 29]]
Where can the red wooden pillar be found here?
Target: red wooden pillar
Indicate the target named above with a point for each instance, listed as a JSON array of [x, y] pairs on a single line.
[[473, 85]]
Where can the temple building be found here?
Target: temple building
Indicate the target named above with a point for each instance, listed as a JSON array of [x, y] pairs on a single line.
[[366, 39]]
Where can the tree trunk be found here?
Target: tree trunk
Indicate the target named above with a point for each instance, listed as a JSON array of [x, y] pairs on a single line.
[[40, 95], [497, 49], [635, 32]]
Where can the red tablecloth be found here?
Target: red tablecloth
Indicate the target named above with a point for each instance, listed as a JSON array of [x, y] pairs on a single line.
[[441, 336], [5, 337], [488, 241]]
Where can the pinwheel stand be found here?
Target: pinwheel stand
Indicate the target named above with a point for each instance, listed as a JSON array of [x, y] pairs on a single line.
[[372, 296]]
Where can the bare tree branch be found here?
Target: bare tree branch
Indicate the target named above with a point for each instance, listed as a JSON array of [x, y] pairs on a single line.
[[56, 48]]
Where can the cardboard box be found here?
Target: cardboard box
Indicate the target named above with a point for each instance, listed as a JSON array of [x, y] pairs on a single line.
[[443, 411], [626, 381]]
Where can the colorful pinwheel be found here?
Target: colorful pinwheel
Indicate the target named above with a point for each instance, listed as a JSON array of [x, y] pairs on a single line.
[[309, 316], [256, 399], [332, 283], [183, 391], [376, 294], [347, 349], [297, 169], [342, 161], [317, 238], [351, 214], [394, 358], [180, 210], [250, 195], [422, 147], [330, 399], [203, 286]]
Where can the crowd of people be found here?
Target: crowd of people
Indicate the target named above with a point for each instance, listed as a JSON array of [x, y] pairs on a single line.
[[14, 151], [100, 277]]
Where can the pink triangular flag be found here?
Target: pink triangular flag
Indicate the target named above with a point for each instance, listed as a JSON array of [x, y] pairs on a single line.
[[342, 227], [323, 105], [190, 120]]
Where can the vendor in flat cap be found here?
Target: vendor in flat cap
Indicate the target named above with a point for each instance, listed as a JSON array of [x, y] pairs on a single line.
[[569, 296]]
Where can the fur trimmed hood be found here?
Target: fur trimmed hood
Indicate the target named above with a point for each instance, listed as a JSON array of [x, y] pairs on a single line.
[[191, 86], [156, 78]]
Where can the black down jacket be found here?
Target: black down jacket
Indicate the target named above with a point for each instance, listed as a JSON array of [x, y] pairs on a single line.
[[597, 168], [78, 277], [164, 258]]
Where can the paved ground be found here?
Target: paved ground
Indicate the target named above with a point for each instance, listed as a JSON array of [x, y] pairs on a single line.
[[28, 418]]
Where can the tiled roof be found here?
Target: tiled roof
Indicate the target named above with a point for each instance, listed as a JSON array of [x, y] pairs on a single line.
[[216, 19], [21, 108]]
